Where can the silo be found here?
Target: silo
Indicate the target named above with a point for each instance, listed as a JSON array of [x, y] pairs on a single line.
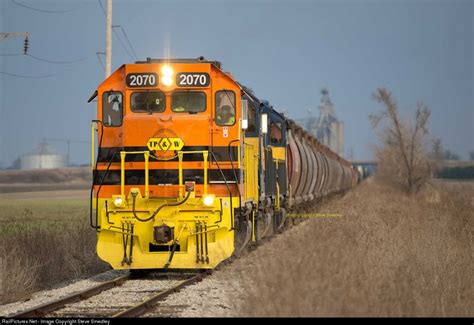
[[327, 128], [44, 157], [340, 139]]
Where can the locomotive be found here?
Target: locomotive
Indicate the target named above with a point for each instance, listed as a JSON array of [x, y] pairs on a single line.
[[191, 166]]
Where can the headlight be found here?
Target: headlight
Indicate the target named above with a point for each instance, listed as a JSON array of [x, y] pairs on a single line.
[[118, 201], [208, 200], [166, 80], [166, 70], [166, 75]]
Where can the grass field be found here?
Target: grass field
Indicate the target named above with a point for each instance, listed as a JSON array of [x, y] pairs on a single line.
[[386, 255], [45, 238], [64, 179]]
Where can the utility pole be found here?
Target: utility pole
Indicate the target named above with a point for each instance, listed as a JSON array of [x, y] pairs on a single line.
[[108, 40]]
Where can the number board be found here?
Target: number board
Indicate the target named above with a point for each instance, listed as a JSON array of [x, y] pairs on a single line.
[[136, 80], [189, 79]]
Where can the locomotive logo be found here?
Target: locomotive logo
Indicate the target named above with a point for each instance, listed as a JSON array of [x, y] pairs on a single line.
[[165, 143]]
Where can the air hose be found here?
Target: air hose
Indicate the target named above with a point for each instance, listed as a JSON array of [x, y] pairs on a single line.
[[134, 198]]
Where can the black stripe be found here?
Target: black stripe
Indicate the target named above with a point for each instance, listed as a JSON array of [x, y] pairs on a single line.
[[220, 152], [163, 176]]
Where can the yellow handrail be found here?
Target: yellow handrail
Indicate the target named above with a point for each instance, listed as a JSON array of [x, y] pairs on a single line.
[[277, 203], [147, 159], [146, 155], [205, 155], [180, 173], [92, 145], [122, 172]]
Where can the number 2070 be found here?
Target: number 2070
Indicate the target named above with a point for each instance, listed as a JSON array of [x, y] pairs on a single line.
[[142, 80], [192, 79]]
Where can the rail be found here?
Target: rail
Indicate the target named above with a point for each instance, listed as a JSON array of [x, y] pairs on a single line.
[[150, 303], [136, 310], [49, 307]]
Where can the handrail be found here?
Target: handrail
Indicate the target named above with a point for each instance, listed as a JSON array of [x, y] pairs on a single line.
[[205, 154], [92, 144], [94, 173], [146, 155], [277, 201]]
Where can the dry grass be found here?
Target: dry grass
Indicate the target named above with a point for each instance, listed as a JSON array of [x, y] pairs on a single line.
[[44, 242], [388, 255], [61, 175], [45, 180]]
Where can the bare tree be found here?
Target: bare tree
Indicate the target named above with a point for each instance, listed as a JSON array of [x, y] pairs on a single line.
[[471, 155], [451, 155], [437, 155], [401, 156], [437, 151]]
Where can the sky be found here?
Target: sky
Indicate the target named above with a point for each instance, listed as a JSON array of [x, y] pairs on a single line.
[[286, 51]]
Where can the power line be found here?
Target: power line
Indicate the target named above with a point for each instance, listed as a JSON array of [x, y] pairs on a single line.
[[44, 60], [121, 43], [102, 6], [4, 35], [56, 62], [128, 41], [100, 60], [27, 77], [115, 33], [42, 10]]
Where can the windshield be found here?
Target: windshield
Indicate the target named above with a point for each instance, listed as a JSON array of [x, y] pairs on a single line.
[[150, 101], [188, 101]]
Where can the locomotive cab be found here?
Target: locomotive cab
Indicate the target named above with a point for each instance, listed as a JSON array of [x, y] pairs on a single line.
[[167, 174], [191, 166]]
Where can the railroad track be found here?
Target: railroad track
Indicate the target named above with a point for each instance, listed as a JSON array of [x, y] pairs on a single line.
[[120, 297]]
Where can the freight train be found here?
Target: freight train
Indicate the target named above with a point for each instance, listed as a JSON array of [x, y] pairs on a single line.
[[191, 166]]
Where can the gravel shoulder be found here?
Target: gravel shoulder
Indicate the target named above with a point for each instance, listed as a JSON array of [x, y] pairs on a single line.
[[62, 290], [221, 294]]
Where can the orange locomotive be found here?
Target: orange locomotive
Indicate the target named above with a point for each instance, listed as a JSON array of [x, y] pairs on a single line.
[[187, 166]]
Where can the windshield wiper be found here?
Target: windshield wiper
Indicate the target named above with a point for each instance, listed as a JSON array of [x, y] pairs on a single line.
[[148, 109]]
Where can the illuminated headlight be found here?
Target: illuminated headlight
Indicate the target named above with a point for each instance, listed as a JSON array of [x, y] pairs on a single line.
[[166, 75], [208, 200], [118, 201], [167, 80], [166, 70]]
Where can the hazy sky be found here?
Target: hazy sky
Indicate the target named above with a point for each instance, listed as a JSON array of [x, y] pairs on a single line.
[[285, 50]]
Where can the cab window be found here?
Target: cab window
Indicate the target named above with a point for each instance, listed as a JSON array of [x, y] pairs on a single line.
[[112, 108], [148, 102], [252, 128], [275, 133], [225, 107], [188, 101]]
